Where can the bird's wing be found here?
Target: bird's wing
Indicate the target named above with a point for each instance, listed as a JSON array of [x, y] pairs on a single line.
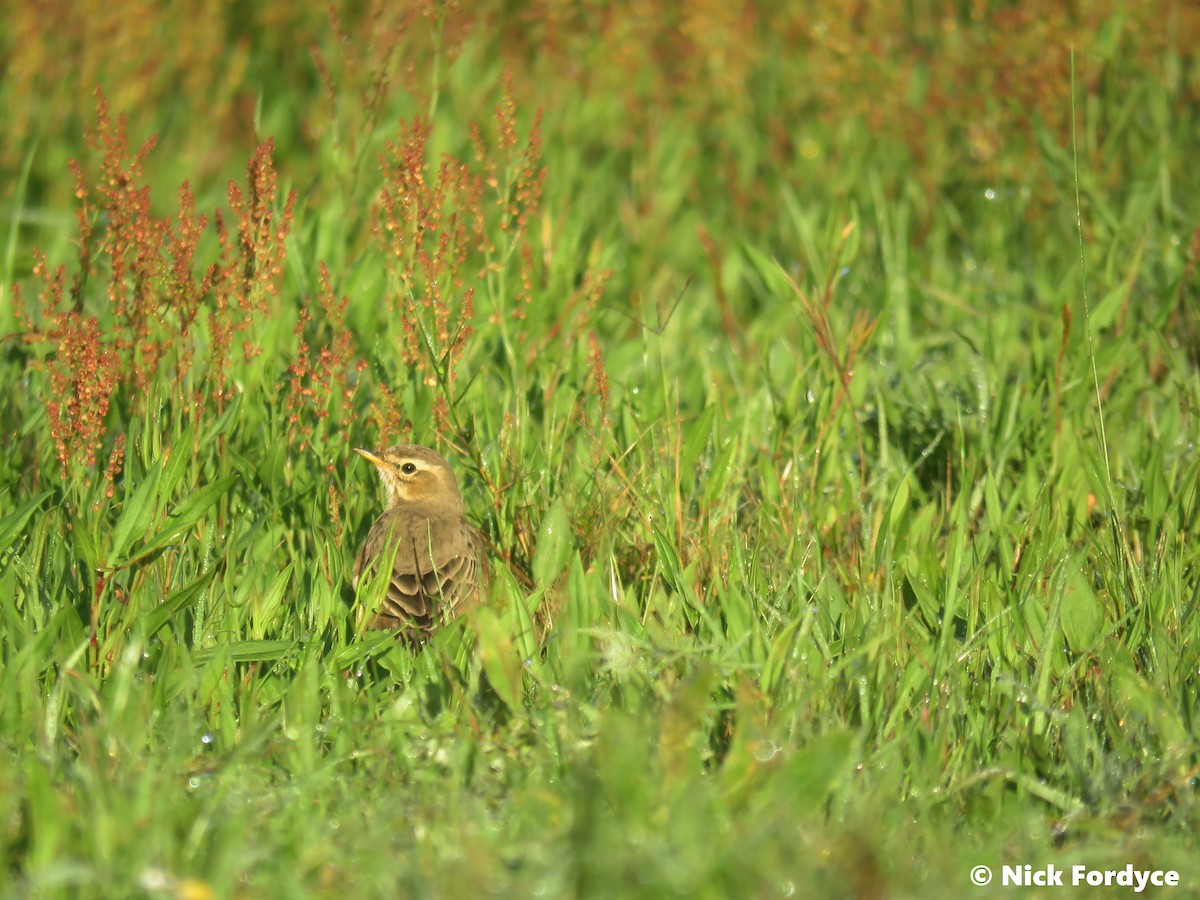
[[434, 572]]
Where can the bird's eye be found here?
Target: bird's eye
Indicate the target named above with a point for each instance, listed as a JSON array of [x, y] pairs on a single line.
[[408, 469]]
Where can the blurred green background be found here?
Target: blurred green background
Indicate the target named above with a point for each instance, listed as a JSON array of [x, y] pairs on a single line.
[[824, 378]]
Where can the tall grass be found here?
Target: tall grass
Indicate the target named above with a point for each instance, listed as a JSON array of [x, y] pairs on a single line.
[[758, 345]]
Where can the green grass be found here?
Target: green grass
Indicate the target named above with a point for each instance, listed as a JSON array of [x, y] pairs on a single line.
[[843, 546]]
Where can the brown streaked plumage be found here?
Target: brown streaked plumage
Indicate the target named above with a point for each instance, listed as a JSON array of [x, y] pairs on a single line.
[[438, 556]]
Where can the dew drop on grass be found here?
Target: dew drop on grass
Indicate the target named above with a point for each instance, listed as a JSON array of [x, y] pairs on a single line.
[[206, 738], [989, 194], [765, 750]]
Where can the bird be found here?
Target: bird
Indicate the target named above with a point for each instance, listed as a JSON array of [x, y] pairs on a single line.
[[436, 555]]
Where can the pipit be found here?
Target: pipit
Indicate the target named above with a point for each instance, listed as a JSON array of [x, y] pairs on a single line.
[[436, 554]]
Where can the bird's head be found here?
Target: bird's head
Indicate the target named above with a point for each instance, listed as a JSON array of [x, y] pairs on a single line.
[[413, 474]]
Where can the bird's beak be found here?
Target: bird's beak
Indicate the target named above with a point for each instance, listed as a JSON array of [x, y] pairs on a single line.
[[369, 456]]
